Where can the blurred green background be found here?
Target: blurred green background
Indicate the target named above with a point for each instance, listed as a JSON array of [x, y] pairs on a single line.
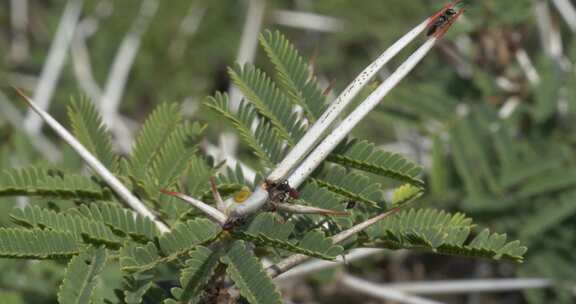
[[489, 113]]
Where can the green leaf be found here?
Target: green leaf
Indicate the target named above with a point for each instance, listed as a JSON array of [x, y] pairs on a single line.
[[443, 233], [196, 274], [294, 74], [152, 138], [81, 275], [264, 141], [404, 194], [548, 215], [121, 220], [50, 183], [353, 185], [316, 241], [175, 156], [250, 278], [185, 236], [268, 100], [37, 244], [135, 286], [83, 228], [365, 156], [139, 258], [89, 129], [268, 230]]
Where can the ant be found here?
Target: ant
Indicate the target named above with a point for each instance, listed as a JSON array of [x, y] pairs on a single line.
[[281, 192], [350, 204], [440, 22]]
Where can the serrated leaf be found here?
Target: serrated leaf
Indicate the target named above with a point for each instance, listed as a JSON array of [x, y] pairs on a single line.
[[354, 186], [37, 244], [268, 230], [50, 183], [84, 229], [135, 286], [174, 156], [121, 220], [139, 258], [294, 74], [152, 137], [269, 100], [247, 273], [196, 274], [365, 156], [443, 233], [89, 129], [264, 141], [404, 194], [81, 274], [185, 236]]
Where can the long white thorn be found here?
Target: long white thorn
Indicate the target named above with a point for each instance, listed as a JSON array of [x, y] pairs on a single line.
[[335, 109], [96, 165], [54, 64], [380, 292], [210, 211], [470, 286], [302, 209], [317, 265], [293, 260], [295, 156], [345, 127]]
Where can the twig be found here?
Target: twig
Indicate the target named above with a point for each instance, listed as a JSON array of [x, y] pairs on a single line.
[[19, 49], [527, 66], [188, 27], [212, 212], [307, 142], [568, 13], [248, 43], [124, 193], [380, 292], [54, 64], [123, 62], [293, 260], [318, 265], [308, 21], [81, 63], [469, 286], [550, 37]]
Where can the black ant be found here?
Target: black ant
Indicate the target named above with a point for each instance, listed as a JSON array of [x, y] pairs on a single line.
[[350, 204], [280, 192], [442, 20]]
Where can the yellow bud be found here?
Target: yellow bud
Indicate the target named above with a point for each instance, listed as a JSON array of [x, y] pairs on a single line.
[[242, 195]]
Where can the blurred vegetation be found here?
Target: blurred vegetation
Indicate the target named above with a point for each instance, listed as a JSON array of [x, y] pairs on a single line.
[[494, 144]]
